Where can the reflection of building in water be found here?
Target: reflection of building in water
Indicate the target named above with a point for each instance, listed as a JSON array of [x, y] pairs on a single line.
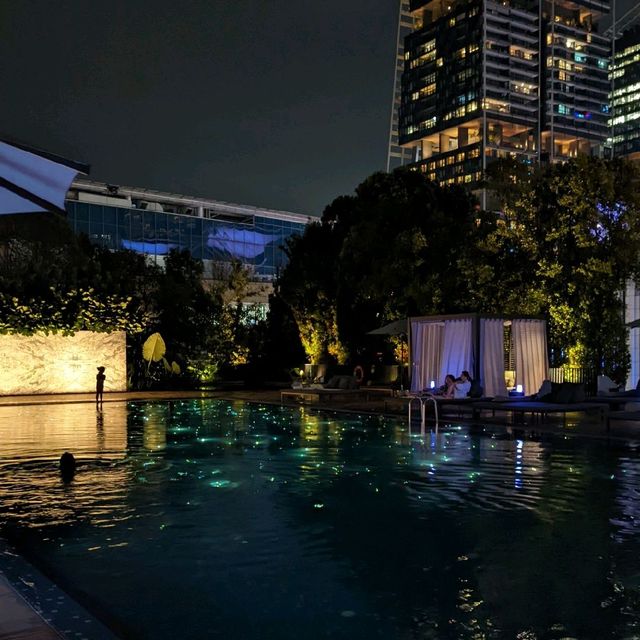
[[46, 431], [154, 222]]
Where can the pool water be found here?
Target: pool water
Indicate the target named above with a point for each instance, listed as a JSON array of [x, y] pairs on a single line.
[[210, 519]]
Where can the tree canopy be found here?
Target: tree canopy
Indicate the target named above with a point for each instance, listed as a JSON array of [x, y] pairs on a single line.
[[566, 238], [393, 249]]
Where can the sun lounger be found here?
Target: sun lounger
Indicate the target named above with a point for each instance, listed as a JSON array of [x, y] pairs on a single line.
[[629, 416], [318, 396], [539, 410]]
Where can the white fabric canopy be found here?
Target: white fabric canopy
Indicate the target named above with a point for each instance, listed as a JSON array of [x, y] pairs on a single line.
[[530, 344], [457, 348], [441, 345], [492, 357], [426, 350], [31, 182]]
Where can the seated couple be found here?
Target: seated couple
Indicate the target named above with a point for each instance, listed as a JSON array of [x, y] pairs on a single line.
[[455, 387]]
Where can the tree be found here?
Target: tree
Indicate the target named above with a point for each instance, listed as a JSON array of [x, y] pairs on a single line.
[[188, 316], [393, 249], [569, 238], [53, 280]]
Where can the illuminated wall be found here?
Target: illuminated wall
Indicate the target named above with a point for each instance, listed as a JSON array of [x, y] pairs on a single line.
[[61, 364]]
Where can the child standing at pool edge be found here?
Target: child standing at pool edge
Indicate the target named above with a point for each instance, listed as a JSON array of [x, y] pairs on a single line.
[[100, 378]]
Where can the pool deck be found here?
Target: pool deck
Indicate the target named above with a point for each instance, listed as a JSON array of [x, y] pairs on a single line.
[[19, 621]]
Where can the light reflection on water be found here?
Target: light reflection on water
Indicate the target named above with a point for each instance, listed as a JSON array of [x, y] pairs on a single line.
[[212, 519], [46, 431]]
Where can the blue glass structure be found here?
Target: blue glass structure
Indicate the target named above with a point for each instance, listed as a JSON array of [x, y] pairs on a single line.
[[255, 240]]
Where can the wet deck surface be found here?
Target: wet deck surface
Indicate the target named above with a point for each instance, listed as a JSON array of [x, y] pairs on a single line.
[[19, 621]]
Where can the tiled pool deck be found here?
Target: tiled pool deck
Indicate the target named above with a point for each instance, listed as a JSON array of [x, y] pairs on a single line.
[[20, 621]]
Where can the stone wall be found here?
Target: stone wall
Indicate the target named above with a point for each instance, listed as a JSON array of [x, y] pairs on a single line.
[[61, 364]]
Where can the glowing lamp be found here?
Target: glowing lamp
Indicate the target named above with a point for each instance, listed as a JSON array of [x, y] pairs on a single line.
[[519, 388], [432, 385]]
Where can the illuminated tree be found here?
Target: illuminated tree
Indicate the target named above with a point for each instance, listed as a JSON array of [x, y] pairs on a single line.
[[569, 237], [393, 249]]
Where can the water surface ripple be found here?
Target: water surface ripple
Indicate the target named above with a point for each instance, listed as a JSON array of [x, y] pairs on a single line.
[[210, 519]]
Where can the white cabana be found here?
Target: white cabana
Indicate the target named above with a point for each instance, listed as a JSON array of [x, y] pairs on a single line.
[[451, 344], [34, 181]]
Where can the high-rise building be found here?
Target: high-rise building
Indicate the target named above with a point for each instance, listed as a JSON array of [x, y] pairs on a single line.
[[399, 155], [625, 95], [482, 80]]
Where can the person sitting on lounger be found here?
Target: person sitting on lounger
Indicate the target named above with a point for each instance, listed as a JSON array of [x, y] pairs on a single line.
[[462, 385]]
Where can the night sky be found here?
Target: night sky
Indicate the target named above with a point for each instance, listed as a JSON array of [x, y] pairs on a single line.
[[273, 103]]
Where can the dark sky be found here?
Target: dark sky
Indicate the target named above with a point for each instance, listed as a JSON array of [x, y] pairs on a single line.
[[274, 103]]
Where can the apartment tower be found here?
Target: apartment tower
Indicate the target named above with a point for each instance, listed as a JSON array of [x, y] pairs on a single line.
[[625, 95], [483, 80]]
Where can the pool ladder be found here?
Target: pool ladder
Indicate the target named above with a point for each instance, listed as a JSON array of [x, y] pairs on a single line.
[[423, 401]]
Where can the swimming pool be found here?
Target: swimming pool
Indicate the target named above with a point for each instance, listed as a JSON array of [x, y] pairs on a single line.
[[211, 519]]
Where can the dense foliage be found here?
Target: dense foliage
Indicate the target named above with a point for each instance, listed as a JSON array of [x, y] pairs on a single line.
[[562, 246], [391, 250], [571, 235], [54, 281], [564, 243]]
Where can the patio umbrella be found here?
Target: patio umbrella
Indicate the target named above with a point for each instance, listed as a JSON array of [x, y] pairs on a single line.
[[395, 328], [33, 181]]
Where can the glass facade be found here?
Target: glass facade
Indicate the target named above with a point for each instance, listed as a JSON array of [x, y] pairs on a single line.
[[625, 98], [256, 241], [491, 79], [576, 60]]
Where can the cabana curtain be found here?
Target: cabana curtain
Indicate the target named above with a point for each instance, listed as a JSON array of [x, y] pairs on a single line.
[[492, 357], [457, 348], [530, 344], [442, 345], [425, 353]]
